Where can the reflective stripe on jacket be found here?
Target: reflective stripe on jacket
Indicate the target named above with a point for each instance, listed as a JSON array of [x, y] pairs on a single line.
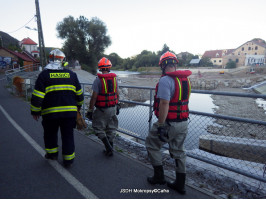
[[57, 94], [178, 105], [108, 93]]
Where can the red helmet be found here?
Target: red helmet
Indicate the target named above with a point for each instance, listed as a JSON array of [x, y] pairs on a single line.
[[104, 63], [167, 58]]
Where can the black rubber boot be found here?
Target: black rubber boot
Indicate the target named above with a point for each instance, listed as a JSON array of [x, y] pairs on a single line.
[[51, 156], [68, 163], [112, 144], [179, 183], [158, 177], [108, 147]]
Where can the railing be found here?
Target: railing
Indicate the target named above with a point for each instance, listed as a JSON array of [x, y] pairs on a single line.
[[209, 138], [27, 68]]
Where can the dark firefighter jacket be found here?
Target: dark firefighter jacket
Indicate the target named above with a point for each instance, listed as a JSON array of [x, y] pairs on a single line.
[[57, 94]]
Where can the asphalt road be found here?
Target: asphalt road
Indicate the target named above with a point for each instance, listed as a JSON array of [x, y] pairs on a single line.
[[25, 174]]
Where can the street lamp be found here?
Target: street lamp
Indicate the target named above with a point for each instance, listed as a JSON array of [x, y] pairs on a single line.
[[33, 29]]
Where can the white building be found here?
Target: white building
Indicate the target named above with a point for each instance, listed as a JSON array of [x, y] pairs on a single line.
[[254, 60], [30, 46]]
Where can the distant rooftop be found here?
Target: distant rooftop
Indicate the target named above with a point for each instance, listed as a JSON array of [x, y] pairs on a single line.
[[217, 53], [28, 41], [194, 61]]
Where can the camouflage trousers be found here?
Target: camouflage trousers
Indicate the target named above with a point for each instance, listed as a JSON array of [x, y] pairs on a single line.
[[105, 122], [177, 132]]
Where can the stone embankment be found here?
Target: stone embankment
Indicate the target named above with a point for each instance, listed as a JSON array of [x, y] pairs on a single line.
[[197, 84], [211, 84]]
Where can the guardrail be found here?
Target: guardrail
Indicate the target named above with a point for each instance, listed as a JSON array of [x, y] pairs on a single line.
[[27, 68], [205, 141]]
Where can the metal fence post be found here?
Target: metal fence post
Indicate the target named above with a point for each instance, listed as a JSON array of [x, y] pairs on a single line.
[[26, 92], [150, 111], [83, 105]]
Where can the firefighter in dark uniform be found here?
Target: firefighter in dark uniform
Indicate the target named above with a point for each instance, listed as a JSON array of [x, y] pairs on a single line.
[[57, 97], [105, 98], [171, 108]]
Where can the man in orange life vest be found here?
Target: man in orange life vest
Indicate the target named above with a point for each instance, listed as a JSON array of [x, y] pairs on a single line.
[[105, 98], [171, 108]]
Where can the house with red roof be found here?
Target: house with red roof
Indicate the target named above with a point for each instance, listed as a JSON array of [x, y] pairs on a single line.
[[15, 59], [30, 46], [216, 56]]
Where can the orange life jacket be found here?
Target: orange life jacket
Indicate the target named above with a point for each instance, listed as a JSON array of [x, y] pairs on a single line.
[[178, 105], [108, 93]]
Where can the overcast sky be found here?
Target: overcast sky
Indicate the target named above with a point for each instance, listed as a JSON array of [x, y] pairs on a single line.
[[135, 25]]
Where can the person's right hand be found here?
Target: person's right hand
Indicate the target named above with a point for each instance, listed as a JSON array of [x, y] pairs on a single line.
[[162, 133], [36, 117], [89, 115]]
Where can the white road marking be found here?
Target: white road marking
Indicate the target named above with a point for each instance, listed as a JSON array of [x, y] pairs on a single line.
[[61, 170]]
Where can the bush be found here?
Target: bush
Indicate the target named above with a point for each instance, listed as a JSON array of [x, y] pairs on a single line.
[[230, 65]]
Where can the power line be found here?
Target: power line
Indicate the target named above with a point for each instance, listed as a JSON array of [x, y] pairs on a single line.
[[22, 26]]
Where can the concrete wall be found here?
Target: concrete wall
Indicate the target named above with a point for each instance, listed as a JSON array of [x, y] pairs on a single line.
[[233, 147]]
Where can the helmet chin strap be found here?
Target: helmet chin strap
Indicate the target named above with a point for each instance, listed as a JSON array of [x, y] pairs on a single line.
[[105, 69], [163, 69]]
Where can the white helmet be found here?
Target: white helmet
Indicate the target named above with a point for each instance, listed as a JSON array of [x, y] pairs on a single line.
[[56, 56]]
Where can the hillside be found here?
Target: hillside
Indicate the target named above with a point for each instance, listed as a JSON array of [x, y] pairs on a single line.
[[8, 40]]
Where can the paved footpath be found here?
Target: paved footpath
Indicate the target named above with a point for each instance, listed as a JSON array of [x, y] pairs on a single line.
[[25, 174]]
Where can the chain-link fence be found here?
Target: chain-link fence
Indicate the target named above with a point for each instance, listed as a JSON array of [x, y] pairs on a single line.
[[226, 142], [232, 143]]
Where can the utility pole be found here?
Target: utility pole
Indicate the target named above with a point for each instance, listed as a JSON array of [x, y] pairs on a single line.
[[40, 35]]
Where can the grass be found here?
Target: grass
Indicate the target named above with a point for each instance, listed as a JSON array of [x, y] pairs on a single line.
[[118, 149]]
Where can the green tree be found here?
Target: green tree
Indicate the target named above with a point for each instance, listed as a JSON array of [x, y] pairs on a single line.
[[185, 59], [85, 40], [231, 64], [128, 63], [116, 60], [205, 62], [164, 49], [146, 59]]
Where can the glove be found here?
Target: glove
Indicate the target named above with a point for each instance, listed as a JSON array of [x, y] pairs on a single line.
[[162, 133], [80, 122], [89, 114], [118, 106]]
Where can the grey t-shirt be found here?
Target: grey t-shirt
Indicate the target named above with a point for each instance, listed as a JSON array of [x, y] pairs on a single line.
[[166, 88], [97, 85]]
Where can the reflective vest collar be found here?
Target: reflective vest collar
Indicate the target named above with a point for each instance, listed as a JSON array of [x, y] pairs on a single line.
[[109, 75], [180, 73]]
